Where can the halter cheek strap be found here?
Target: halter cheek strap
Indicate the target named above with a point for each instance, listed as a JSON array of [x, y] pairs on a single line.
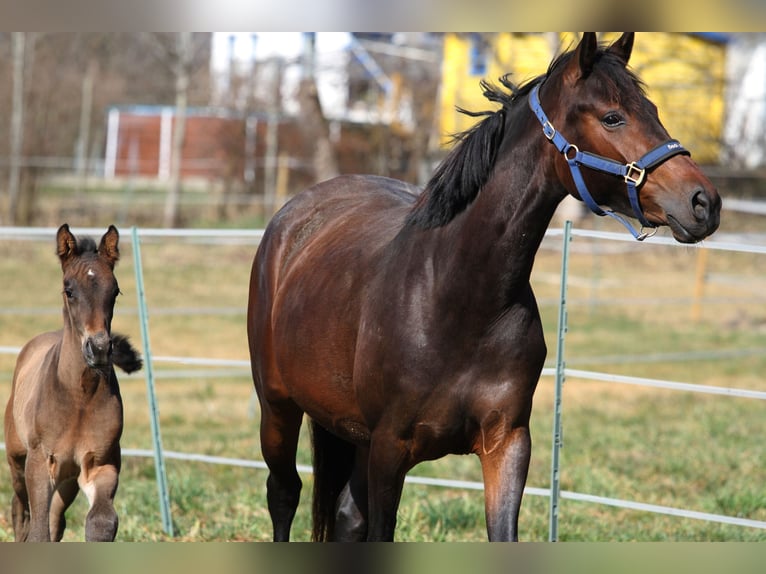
[[633, 173]]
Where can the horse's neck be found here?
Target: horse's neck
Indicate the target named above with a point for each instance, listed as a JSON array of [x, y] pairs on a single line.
[[498, 236], [73, 372]]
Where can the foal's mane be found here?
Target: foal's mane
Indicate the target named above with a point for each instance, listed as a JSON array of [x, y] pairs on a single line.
[[466, 169], [86, 245]]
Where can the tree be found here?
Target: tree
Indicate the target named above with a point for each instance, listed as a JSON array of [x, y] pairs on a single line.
[[182, 67], [17, 124]]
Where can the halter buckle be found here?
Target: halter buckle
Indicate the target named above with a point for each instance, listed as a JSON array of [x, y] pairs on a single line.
[[634, 174], [548, 130]]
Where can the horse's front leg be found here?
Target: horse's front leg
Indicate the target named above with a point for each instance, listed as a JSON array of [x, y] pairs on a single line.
[[504, 465], [99, 483], [39, 491], [386, 471], [63, 496]]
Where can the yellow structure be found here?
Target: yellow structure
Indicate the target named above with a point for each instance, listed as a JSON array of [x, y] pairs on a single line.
[[684, 75]]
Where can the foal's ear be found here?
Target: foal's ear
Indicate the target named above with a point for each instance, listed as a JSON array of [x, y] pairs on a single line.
[[581, 65], [108, 248], [623, 46], [66, 245]]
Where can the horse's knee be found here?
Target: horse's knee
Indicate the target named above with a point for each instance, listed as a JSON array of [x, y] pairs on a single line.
[[101, 524]]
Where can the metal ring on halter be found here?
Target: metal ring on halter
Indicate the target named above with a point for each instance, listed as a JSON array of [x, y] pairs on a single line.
[[569, 148], [646, 235]]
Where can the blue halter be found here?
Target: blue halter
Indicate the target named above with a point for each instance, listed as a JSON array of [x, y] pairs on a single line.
[[633, 173]]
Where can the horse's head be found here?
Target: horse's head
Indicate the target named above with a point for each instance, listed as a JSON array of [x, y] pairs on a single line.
[[90, 291], [597, 107]]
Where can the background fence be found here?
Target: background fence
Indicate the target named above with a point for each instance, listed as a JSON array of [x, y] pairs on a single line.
[[555, 246]]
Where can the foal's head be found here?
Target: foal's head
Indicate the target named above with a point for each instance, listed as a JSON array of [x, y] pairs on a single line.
[[90, 291]]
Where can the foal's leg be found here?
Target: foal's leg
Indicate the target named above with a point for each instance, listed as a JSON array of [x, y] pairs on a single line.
[[505, 469], [351, 515], [20, 503], [62, 498], [39, 490], [280, 427], [99, 483]]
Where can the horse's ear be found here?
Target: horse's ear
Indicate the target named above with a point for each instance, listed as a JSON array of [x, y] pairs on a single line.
[[66, 245], [108, 248], [581, 65], [623, 46]]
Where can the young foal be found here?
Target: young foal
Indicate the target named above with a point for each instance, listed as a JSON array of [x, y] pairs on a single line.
[[63, 420]]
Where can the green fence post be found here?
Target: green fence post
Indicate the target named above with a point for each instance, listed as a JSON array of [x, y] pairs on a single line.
[[159, 459], [553, 533]]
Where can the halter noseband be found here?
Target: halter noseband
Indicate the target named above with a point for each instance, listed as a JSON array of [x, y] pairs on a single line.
[[633, 173]]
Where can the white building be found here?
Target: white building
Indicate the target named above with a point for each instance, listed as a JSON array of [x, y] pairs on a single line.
[[244, 64]]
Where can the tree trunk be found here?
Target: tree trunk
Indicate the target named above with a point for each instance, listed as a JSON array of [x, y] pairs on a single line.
[[17, 125], [317, 128], [172, 205]]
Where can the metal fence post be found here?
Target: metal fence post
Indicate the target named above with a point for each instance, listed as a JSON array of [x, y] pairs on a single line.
[[159, 460], [553, 532]]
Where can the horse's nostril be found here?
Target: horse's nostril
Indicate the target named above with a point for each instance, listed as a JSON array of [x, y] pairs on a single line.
[[701, 205]]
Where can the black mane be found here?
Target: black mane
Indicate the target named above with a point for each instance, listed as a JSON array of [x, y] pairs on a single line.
[[460, 176]]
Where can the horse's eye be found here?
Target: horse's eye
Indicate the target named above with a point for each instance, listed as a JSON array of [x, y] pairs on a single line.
[[68, 292], [613, 120]]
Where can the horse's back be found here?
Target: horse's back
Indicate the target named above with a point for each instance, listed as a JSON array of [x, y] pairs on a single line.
[[352, 212], [309, 278]]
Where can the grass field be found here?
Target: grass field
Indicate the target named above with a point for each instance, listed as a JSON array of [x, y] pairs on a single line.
[[630, 312]]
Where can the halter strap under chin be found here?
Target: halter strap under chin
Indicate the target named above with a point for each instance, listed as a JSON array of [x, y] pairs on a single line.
[[633, 173]]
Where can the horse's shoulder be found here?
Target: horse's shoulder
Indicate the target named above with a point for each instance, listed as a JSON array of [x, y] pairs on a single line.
[[37, 348]]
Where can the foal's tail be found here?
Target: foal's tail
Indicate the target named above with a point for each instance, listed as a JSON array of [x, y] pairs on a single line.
[[333, 460], [124, 355]]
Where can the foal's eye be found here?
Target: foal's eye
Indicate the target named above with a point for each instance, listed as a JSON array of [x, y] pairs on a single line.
[[68, 292], [613, 120]]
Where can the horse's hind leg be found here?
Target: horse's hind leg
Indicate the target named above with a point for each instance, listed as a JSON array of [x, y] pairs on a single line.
[[63, 497], [280, 428], [351, 517]]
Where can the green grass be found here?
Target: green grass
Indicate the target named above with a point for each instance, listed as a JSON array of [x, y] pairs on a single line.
[[656, 446]]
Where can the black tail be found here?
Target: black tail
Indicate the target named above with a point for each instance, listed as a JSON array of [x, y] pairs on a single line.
[[333, 461], [124, 355]]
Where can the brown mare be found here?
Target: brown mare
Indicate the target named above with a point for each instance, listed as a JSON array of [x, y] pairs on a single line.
[[64, 417], [404, 325]]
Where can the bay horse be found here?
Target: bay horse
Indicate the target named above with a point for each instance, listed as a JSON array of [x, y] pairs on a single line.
[[64, 418], [403, 324]]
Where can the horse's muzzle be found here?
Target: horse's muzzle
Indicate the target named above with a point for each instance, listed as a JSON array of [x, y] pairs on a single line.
[[97, 350], [700, 219]]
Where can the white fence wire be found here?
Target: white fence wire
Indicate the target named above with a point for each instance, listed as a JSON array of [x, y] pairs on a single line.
[[236, 236]]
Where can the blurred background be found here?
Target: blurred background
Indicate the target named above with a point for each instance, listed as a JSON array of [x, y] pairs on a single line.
[[219, 129]]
